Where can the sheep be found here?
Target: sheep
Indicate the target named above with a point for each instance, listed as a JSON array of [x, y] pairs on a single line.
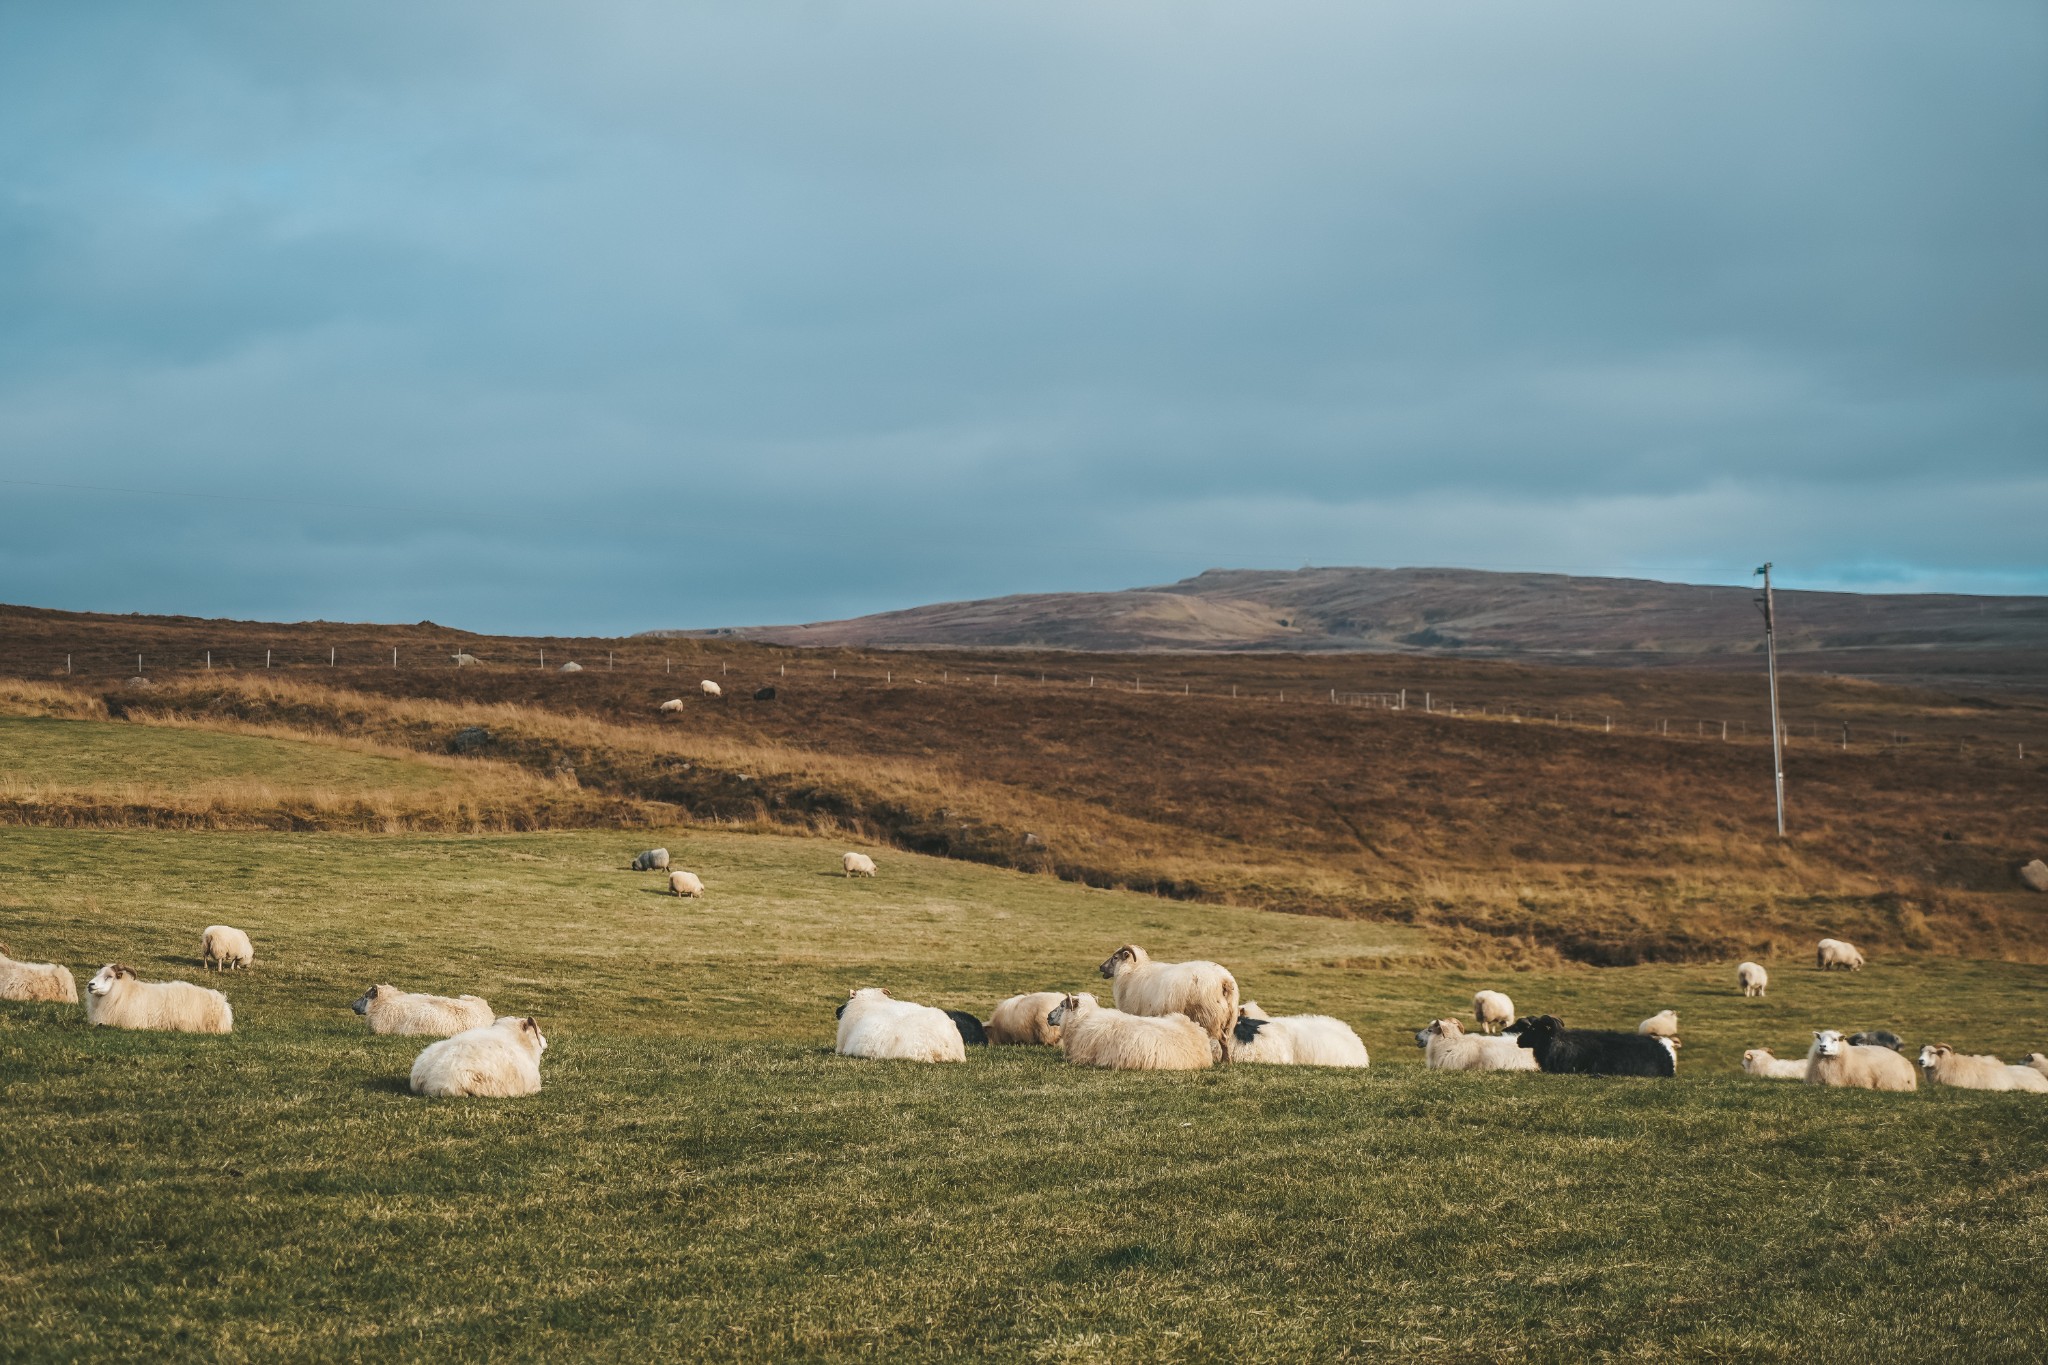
[[710, 688], [653, 860], [671, 705], [1021, 1020], [1203, 991], [1447, 1047], [46, 982], [1593, 1052], [1752, 978], [1662, 1024], [1492, 1011], [764, 694], [2038, 1061], [463, 660], [1878, 1038], [500, 1060], [390, 1010], [1093, 1036], [681, 883], [117, 998], [1294, 1040], [1758, 1061], [857, 864], [871, 1024], [1830, 953], [972, 1032], [1834, 1060], [222, 947], [571, 667], [1945, 1066]]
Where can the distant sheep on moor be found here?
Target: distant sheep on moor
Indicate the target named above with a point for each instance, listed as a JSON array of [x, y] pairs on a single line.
[[681, 883], [1831, 953], [857, 865]]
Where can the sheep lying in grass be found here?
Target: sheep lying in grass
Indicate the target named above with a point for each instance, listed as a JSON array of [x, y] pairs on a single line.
[[390, 1010], [710, 688], [1021, 1020], [1752, 978], [117, 998], [1836, 1061], [47, 982], [1945, 1066], [1662, 1024], [682, 883], [1093, 1036], [671, 705], [1831, 953], [222, 947], [857, 865], [2038, 1061], [1492, 1011], [1878, 1038], [1758, 1061], [1447, 1047], [1594, 1052], [1294, 1040], [653, 860], [1203, 991], [972, 1031], [872, 1024], [499, 1060]]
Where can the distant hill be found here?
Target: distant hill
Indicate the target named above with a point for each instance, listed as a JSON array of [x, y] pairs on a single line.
[[1477, 614]]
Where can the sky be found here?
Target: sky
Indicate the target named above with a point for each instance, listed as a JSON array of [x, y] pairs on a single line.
[[588, 319]]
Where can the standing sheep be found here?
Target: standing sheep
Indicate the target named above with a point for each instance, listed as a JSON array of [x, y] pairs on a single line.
[[1021, 1020], [1492, 1011], [1758, 1061], [681, 883], [1093, 1036], [710, 688], [1203, 991], [1831, 953], [390, 1010], [1447, 1047], [673, 704], [1836, 1061], [1753, 979], [857, 864], [1662, 1024], [221, 947], [117, 998], [653, 860], [872, 1024], [1294, 1040], [1594, 1052], [1945, 1066], [36, 981], [499, 1060]]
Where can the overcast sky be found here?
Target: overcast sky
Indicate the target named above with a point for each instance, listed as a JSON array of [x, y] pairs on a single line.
[[594, 318]]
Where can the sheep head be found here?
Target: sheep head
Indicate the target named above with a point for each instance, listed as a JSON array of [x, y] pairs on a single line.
[[362, 1004], [1529, 1032], [1933, 1053], [103, 980], [1122, 960], [1828, 1043]]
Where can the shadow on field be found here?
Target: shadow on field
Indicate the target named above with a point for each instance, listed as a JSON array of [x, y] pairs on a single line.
[[388, 1085]]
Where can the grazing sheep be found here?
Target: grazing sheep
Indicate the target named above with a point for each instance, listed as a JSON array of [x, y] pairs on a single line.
[[857, 864], [1447, 1047], [221, 947], [672, 704], [681, 883], [46, 982], [1021, 1020], [1945, 1066], [391, 1010], [1830, 953], [1753, 979], [1594, 1052], [1493, 1011], [1294, 1040], [710, 688], [571, 667], [1203, 991], [1093, 1036], [1758, 1061], [653, 860], [1878, 1038], [1662, 1024], [1834, 1060], [500, 1060], [971, 1031], [871, 1024], [117, 998]]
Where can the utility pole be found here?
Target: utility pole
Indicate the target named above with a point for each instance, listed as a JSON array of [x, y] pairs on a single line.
[[1768, 606]]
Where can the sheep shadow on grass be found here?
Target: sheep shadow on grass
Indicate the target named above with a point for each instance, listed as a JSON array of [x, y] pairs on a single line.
[[388, 1085]]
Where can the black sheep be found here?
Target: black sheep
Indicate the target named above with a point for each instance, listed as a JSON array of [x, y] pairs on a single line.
[[971, 1032], [1877, 1038], [1592, 1052]]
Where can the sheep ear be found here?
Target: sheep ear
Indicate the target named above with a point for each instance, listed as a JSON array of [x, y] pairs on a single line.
[[853, 992], [530, 1024]]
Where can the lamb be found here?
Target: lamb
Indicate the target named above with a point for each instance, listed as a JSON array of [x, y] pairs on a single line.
[[500, 1060], [1447, 1047], [1093, 1036], [857, 864], [710, 688], [1752, 978], [222, 947], [1662, 1024], [1836, 1061], [1203, 991], [1021, 1020], [391, 1010], [1493, 1011], [1294, 1040], [871, 1024], [672, 704], [117, 998], [971, 1031], [681, 883], [1593, 1052], [36, 981], [1830, 953], [1945, 1066], [653, 860], [1758, 1061], [1878, 1038]]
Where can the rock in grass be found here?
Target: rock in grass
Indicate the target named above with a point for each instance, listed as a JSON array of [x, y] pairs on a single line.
[[2035, 875], [468, 739]]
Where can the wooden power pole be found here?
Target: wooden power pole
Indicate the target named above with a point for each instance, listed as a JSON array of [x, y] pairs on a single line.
[[1769, 608]]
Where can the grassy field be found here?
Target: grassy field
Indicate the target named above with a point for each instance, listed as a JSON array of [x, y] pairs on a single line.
[[701, 1178]]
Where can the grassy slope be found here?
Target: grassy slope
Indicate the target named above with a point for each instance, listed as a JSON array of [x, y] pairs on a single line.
[[84, 753], [701, 1178]]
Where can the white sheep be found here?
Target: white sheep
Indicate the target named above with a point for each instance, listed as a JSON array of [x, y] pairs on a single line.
[[117, 998], [2026, 1076], [1752, 978], [672, 704], [681, 883], [37, 981], [1021, 1020], [391, 1010], [1493, 1011], [710, 688], [1447, 1047], [653, 860], [1758, 1061], [874, 1024], [2038, 1061], [222, 947], [1093, 1036], [463, 660], [1662, 1024], [1830, 953], [857, 864], [1294, 1040], [1945, 1066], [1203, 991], [571, 667], [1834, 1060], [500, 1060]]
